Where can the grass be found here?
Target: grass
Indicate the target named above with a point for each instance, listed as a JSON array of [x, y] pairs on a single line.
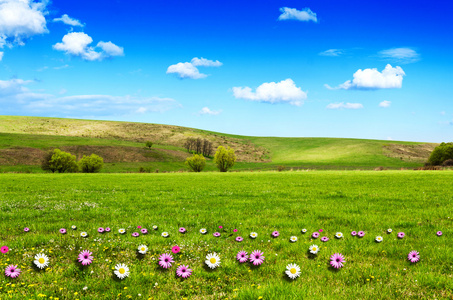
[[416, 202]]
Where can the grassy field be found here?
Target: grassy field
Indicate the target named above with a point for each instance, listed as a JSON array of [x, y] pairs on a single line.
[[418, 203]]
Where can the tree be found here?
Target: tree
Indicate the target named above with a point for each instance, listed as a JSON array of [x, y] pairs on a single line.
[[149, 144], [45, 163], [440, 154], [91, 164], [224, 158], [196, 163], [59, 161]]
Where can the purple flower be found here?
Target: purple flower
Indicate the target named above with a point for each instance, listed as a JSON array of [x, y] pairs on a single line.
[[275, 234], [62, 231], [183, 271], [135, 234], [26, 229], [12, 271], [107, 229], [4, 249], [165, 260], [361, 234], [256, 257], [413, 256], [100, 230], [354, 233], [182, 230], [324, 239], [401, 235], [239, 239], [85, 257], [235, 230], [439, 233], [315, 235], [320, 230], [337, 260], [216, 234], [220, 226], [242, 256], [144, 230]]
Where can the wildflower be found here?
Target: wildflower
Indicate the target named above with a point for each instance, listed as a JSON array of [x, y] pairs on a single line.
[[165, 260], [212, 260], [142, 249], [315, 235], [304, 230], [135, 234], [12, 271], [183, 271], [293, 239], [361, 234], [293, 271], [85, 288], [379, 239], [165, 234], [154, 227], [413, 256], [121, 271], [175, 249], [62, 231], [203, 231], [242, 256], [100, 230], [122, 230], [338, 235], [337, 260], [235, 230], [144, 231], [389, 230], [41, 260], [401, 235], [314, 249], [220, 227], [275, 234], [182, 230], [256, 257], [216, 234], [320, 230], [324, 239], [138, 227], [4, 249], [26, 229], [354, 233], [107, 229], [439, 233], [239, 239], [85, 257], [83, 234], [253, 235]]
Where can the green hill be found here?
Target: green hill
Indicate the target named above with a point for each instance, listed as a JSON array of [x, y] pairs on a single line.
[[24, 141]]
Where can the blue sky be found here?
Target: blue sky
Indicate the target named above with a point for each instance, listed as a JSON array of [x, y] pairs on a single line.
[[276, 68]]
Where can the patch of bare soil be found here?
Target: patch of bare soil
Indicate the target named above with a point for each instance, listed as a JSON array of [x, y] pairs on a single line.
[[414, 153]]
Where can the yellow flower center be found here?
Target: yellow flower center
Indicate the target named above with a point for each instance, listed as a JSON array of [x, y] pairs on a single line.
[[143, 248], [122, 271], [41, 260], [293, 271], [213, 260], [314, 248]]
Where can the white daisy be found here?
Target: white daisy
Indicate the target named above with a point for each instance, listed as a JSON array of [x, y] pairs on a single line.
[[155, 227], [41, 260], [122, 230], [379, 239], [165, 234], [293, 239], [142, 249], [73, 227], [212, 260], [253, 235], [203, 231], [293, 271], [314, 249], [121, 271], [339, 235], [83, 234], [389, 230], [304, 230]]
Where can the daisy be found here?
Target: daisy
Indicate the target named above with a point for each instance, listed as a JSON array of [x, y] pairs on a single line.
[[338, 235], [142, 249], [107, 229], [337, 260], [389, 230], [212, 260], [314, 249], [154, 227], [4, 249], [183, 271], [100, 230], [135, 234], [304, 230], [413, 256], [361, 234], [121, 271], [165, 260], [275, 234], [354, 233], [83, 234], [293, 239], [73, 227], [401, 235], [85, 257], [293, 271], [239, 239], [26, 229], [41, 260], [379, 239], [256, 257], [439, 233], [253, 235], [182, 230], [203, 231], [122, 230], [216, 234], [12, 271], [165, 234], [315, 235], [324, 239], [175, 249], [144, 231], [242, 256]]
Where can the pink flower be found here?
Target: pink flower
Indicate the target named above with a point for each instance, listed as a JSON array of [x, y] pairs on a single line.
[[107, 229], [144, 230], [182, 230], [315, 235], [4, 249], [242, 256], [165, 260], [354, 233], [324, 239], [100, 230], [26, 229], [183, 271], [361, 234], [220, 226], [413, 256], [439, 233], [275, 234], [216, 234], [337, 260], [62, 231], [320, 230], [139, 226], [401, 235], [235, 230], [135, 234], [85, 257], [256, 257], [175, 249], [12, 271], [239, 239]]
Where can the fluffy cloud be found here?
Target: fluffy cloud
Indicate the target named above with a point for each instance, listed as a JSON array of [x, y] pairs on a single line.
[[77, 44], [385, 103], [400, 55], [331, 52], [284, 91], [343, 105], [389, 78], [21, 19], [68, 21], [300, 15], [189, 69], [207, 111]]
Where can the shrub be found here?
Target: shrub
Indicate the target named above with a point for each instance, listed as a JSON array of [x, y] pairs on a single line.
[[196, 163], [441, 153], [91, 164], [59, 161], [149, 144], [448, 163], [224, 158], [281, 168]]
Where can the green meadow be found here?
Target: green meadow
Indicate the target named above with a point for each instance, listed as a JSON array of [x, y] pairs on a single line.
[[418, 203]]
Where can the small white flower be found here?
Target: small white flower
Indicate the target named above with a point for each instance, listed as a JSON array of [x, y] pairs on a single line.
[[293, 271], [339, 235], [73, 227], [121, 271], [155, 227], [142, 249], [85, 288], [304, 230], [379, 239], [122, 230], [212, 260], [389, 230], [165, 234], [203, 231], [83, 234], [253, 235], [314, 249], [41, 260], [293, 239]]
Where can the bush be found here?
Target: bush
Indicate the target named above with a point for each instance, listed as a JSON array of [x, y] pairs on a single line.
[[440, 154], [224, 158], [149, 144], [91, 164], [59, 161], [448, 163], [196, 163], [281, 168]]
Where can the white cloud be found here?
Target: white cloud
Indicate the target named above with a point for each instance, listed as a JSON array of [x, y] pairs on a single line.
[[385, 103], [21, 19], [342, 105], [300, 15], [68, 21], [189, 69], [13, 87], [400, 55], [207, 111], [389, 78], [61, 67], [284, 91], [332, 52], [1, 55], [77, 44]]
